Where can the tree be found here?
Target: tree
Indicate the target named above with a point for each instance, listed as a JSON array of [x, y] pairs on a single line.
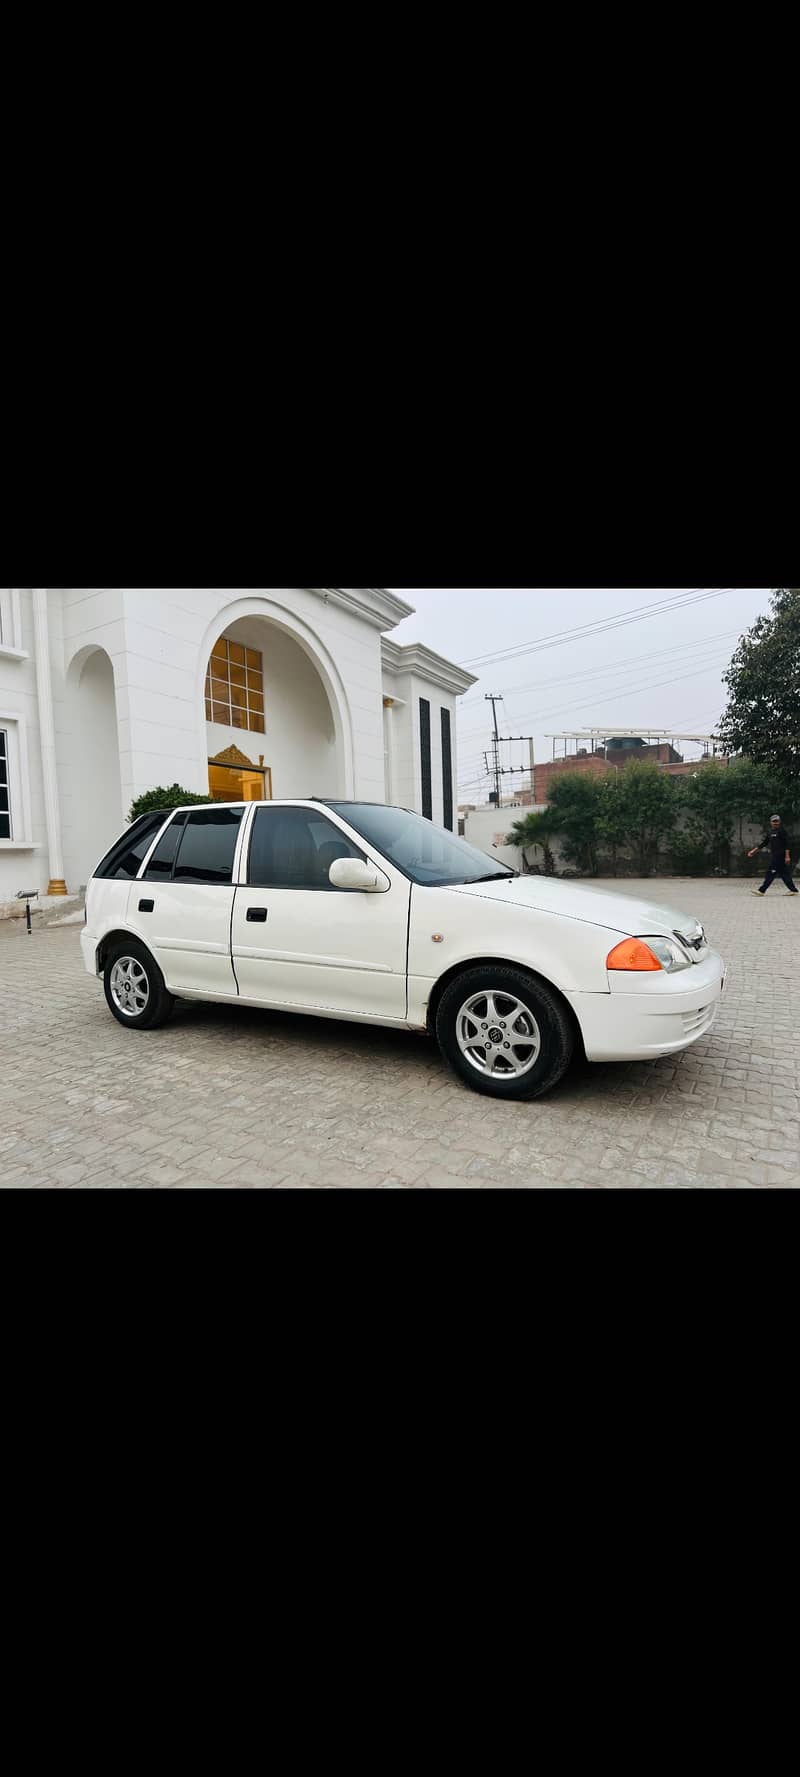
[[714, 802], [174, 797], [612, 827], [710, 802], [648, 810], [574, 810], [756, 791], [762, 719], [536, 830]]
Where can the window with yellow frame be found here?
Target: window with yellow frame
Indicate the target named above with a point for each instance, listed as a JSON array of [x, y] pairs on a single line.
[[235, 687], [233, 783]]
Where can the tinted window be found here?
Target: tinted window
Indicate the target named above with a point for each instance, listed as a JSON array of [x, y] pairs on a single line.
[[447, 770], [422, 851], [209, 844], [294, 848], [5, 815], [161, 863], [126, 858], [425, 757]]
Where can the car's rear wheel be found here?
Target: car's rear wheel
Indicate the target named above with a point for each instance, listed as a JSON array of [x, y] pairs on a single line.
[[135, 988], [505, 1032]]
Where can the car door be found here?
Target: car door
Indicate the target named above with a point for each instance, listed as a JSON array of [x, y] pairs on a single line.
[[183, 902], [108, 894], [299, 942]]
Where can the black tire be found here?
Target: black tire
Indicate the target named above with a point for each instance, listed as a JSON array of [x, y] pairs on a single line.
[[551, 1026], [159, 1004]]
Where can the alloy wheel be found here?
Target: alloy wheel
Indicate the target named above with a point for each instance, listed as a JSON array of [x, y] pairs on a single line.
[[498, 1035], [130, 987]]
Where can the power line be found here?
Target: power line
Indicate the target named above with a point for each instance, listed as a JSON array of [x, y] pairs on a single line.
[[587, 631], [598, 684], [588, 672], [564, 709], [655, 685], [624, 689]]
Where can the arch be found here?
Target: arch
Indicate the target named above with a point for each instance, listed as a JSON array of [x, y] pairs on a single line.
[[272, 611], [89, 762]]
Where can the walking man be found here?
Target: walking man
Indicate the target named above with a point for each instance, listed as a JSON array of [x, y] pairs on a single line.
[[776, 842]]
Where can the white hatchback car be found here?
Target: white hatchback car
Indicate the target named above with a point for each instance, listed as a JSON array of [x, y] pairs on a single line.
[[357, 911]]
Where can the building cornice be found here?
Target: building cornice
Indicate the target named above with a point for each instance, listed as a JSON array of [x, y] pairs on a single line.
[[373, 603], [417, 659]]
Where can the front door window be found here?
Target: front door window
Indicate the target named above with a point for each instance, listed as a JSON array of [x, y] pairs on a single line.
[[294, 848]]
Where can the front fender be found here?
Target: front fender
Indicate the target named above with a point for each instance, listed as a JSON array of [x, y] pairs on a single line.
[[450, 932]]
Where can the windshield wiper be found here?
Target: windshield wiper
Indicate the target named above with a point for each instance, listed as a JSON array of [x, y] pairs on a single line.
[[498, 876]]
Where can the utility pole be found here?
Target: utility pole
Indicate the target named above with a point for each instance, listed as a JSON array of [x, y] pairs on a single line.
[[494, 700], [519, 770]]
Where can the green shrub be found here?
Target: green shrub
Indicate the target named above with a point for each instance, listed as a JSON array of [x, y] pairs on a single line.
[[575, 804], [535, 831], [174, 797], [688, 856]]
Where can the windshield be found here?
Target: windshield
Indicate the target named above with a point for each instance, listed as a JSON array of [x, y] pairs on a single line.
[[428, 854]]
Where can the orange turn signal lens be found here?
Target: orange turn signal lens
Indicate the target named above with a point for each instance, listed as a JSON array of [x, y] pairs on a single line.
[[632, 954]]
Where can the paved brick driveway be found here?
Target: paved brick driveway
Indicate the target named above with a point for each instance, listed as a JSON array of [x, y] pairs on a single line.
[[247, 1099]]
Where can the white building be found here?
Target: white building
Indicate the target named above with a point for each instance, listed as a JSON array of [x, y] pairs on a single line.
[[280, 693]]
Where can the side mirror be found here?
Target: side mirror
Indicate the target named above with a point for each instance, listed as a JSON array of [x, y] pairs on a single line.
[[351, 873]]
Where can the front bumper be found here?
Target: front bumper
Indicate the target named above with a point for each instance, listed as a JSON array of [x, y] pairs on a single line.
[[643, 1016]]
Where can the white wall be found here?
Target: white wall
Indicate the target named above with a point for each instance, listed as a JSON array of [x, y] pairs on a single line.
[[405, 742], [92, 811], [484, 826], [19, 714], [79, 622], [169, 637], [409, 688]]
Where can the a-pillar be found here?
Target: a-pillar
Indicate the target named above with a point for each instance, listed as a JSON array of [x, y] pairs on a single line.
[[44, 688]]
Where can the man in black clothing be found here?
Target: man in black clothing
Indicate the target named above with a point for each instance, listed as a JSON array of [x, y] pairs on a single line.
[[780, 862]]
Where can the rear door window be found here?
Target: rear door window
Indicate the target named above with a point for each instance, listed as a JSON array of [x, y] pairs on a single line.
[[208, 847], [162, 863]]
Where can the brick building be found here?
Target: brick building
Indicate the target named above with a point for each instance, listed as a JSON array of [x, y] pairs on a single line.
[[612, 754]]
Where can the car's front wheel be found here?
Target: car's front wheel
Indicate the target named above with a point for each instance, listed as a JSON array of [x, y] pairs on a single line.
[[505, 1032], [135, 988]]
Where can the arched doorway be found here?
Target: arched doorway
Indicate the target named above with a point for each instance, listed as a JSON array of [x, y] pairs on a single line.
[[232, 777], [89, 765], [276, 719]]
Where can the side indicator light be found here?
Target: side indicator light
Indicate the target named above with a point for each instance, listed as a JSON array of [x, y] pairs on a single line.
[[632, 954]]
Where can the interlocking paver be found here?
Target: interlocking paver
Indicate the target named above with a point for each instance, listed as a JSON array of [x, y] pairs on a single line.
[[234, 1099]]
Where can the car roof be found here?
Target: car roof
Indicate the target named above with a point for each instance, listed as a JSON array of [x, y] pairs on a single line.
[[257, 802], [284, 802]]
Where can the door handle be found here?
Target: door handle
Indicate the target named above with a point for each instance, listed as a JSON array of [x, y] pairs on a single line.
[[257, 916], [147, 906]]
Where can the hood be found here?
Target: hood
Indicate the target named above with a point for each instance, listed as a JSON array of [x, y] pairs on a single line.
[[600, 907]]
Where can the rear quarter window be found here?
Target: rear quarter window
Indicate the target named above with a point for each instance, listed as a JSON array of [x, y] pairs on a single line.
[[125, 859]]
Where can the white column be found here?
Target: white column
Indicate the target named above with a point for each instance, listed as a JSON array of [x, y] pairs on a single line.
[[44, 688], [388, 736]]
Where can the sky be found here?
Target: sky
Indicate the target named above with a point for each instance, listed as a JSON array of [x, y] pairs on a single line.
[[653, 671]]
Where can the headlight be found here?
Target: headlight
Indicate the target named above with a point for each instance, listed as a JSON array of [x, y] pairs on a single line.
[[670, 955], [635, 954]]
